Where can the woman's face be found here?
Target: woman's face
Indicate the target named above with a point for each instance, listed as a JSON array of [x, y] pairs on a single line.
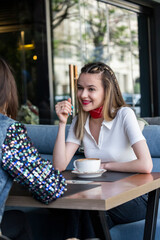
[[90, 91]]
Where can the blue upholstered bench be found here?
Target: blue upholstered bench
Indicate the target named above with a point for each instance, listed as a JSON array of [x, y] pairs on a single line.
[[43, 137]]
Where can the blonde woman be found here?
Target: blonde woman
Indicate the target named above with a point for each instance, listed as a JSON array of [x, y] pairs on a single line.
[[108, 129]]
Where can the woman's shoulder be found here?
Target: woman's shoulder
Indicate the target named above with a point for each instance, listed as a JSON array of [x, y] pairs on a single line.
[[123, 111], [17, 125], [5, 122], [9, 127]]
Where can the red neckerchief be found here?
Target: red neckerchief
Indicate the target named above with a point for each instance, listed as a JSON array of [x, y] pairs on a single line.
[[96, 113]]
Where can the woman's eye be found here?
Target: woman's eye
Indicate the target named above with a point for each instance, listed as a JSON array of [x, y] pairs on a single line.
[[79, 88], [91, 89]]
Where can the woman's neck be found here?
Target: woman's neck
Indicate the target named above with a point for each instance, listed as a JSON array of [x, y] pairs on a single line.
[[2, 111], [97, 113], [96, 120]]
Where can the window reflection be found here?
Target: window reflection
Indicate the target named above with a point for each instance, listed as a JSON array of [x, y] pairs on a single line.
[[82, 31], [23, 45], [85, 31]]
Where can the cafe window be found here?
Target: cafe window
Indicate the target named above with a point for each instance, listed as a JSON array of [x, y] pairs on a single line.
[[23, 45], [86, 31], [41, 38]]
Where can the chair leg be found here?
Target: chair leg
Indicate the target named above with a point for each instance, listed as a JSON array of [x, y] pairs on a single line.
[[100, 224]]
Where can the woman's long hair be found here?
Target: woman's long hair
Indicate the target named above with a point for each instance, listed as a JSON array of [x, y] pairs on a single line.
[[113, 97], [8, 91]]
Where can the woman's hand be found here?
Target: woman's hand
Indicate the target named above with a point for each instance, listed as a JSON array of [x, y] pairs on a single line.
[[63, 110], [104, 165]]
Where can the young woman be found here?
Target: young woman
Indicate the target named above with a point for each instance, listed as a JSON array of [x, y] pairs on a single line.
[[108, 129], [16, 146]]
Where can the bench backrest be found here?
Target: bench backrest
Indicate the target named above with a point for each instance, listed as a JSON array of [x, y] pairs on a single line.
[[44, 136]]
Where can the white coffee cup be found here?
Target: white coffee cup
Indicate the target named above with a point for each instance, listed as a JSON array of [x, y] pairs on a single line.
[[87, 165]]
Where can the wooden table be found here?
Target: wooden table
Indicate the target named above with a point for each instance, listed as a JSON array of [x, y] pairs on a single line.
[[105, 196]]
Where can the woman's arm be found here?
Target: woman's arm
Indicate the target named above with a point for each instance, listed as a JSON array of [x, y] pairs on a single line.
[[143, 163], [63, 152]]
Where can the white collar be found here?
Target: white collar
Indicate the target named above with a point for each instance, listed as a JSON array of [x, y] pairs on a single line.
[[107, 124]]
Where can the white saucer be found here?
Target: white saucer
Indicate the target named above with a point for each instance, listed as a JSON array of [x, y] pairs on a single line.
[[89, 175]]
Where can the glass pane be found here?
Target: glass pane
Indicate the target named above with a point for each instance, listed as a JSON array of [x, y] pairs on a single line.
[[23, 45], [82, 31], [85, 31], [66, 44], [124, 54]]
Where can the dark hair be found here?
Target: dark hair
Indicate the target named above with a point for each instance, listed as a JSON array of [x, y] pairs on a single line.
[[8, 90], [113, 96]]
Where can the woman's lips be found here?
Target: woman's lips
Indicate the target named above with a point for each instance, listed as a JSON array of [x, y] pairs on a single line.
[[85, 102]]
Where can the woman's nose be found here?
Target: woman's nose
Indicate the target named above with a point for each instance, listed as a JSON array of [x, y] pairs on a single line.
[[84, 93]]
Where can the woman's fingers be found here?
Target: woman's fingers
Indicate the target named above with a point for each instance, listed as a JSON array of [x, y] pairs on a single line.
[[104, 165], [69, 100], [64, 107]]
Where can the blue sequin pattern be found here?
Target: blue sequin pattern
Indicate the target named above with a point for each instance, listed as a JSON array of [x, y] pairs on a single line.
[[23, 162]]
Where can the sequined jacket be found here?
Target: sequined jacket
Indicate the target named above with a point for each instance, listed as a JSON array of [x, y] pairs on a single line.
[[23, 163], [5, 180]]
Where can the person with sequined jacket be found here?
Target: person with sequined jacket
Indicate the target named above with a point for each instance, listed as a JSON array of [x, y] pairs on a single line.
[[8, 106], [17, 156]]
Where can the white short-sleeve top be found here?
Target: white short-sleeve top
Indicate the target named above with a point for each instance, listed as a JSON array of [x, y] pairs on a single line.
[[116, 137]]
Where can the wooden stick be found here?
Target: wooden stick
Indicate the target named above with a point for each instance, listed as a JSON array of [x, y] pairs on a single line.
[[72, 87]]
